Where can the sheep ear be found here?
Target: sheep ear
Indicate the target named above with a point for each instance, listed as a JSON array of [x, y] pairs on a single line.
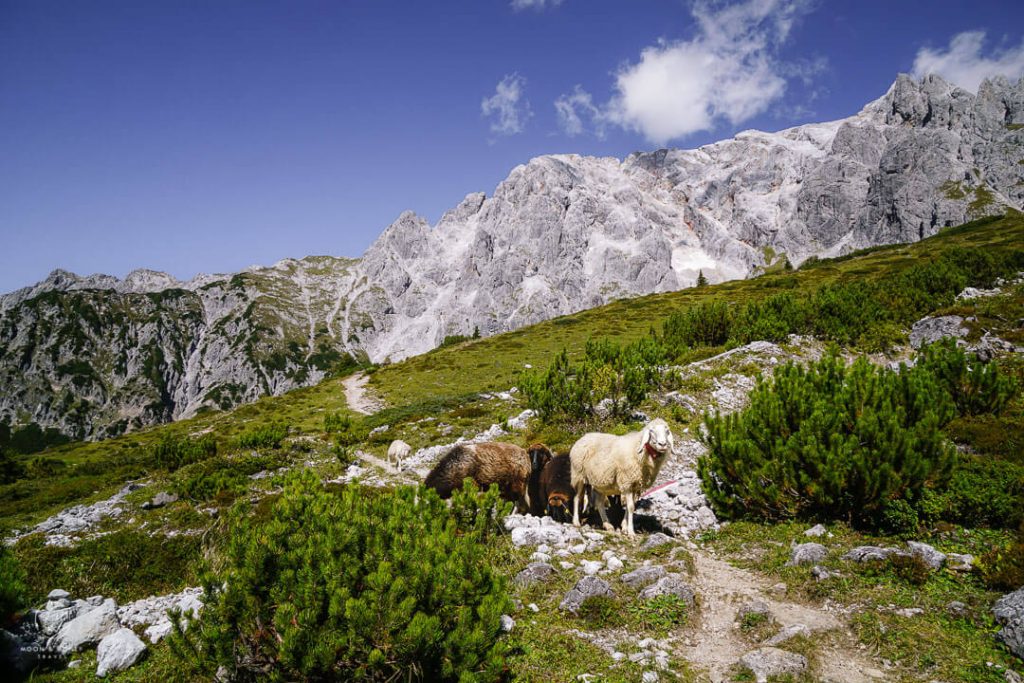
[[645, 436]]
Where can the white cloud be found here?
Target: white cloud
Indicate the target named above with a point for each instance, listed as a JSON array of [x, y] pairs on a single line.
[[963, 64], [519, 5], [570, 106], [728, 70], [507, 105]]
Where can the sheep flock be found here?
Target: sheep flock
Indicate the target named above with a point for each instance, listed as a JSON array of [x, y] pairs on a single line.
[[597, 467]]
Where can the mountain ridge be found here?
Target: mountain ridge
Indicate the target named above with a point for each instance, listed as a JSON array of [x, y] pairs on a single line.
[[560, 234]]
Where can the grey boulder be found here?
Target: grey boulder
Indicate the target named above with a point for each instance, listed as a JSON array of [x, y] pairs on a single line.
[[644, 576], [1009, 612], [118, 651], [87, 629], [807, 553], [160, 500], [587, 587], [868, 553], [672, 584], [929, 555], [656, 539], [535, 572], [928, 330]]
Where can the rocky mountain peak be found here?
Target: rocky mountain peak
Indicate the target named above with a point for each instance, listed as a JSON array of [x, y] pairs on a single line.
[[561, 233]]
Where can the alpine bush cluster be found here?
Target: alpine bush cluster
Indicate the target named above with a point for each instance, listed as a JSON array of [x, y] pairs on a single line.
[[360, 585], [221, 476], [620, 375], [172, 452], [864, 313], [268, 435], [861, 443], [828, 441]]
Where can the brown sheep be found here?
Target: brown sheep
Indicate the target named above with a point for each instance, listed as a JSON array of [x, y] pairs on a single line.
[[504, 464], [555, 488], [540, 456]]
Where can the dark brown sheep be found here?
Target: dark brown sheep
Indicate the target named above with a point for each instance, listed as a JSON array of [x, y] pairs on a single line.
[[504, 464], [555, 488], [540, 455]]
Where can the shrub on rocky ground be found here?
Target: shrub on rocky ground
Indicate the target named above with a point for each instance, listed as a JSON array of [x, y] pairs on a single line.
[[171, 452], [355, 587], [828, 441], [1002, 567], [267, 435]]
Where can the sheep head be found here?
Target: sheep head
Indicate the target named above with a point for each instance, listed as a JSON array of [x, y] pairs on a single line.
[[656, 438], [540, 455]]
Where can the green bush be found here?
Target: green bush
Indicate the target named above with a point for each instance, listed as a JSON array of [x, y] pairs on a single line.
[[569, 391], [976, 388], [983, 491], [221, 476], [844, 311], [562, 391], [360, 586], [773, 319], [337, 422], [828, 441], [706, 324], [11, 468], [171, 451], [1002, 567], [45, 467], [911, 568], [13, 592], [263, 436]]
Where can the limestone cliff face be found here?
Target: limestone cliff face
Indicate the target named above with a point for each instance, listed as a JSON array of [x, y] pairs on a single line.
[[98, 355], [565, 232]]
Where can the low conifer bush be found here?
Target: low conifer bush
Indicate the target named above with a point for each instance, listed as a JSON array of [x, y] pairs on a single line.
[[829, 441], [356, 586]]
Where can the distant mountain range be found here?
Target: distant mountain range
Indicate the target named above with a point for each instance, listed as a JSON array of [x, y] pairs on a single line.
[[96, 356]]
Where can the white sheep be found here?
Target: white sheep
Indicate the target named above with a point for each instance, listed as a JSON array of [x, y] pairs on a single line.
[[397, 451], [618, 465]]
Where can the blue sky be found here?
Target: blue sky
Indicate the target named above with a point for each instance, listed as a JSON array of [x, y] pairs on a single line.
[[208, 136]]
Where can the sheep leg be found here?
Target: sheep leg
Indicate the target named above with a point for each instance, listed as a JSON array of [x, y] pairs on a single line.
[[601, 503], [576, 504], [627, 523]]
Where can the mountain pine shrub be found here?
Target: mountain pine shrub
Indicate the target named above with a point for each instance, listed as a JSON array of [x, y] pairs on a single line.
[[11, 468], [359, 586], [563, 391], [773, 319], [222, 477], [706, 324], [1002, 567], [624, 375], [829, 441], [171, 452], [977, 388], [269, 435], [983, 491]]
